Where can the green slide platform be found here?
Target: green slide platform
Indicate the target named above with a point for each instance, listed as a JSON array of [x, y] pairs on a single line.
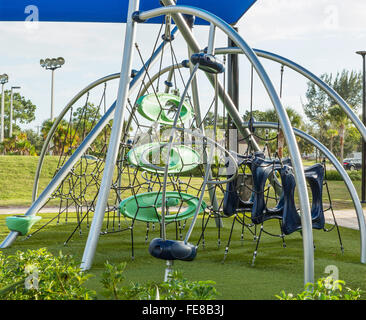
[[143, 206], [21, 224], [155, 107], [182, 158]]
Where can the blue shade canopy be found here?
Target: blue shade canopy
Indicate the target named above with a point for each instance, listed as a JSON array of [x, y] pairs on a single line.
[[109, 10]]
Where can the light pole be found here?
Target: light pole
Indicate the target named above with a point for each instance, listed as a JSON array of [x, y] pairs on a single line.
[[3, 79], [363, 187], [11, 111], [52, 64]]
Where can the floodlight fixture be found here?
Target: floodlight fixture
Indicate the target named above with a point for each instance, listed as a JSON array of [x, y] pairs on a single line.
[[4, 78], [52, 64], [61, 61]]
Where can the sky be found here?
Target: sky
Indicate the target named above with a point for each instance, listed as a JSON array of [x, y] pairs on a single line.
[[321, 35]]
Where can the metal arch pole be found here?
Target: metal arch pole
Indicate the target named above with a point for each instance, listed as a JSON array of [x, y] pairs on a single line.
[[176, 11], [309, 75], [194, 46], [56, 123], [114, 142], [133, 85], [353, 117], [62, 173], [233, 89], [347, 180], [197, 111]]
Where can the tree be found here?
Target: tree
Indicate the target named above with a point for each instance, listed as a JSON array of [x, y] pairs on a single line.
[[325, 113], [23, 111], [35, 139], [270, 115], [17, 145], [332, 133], [65, 138]]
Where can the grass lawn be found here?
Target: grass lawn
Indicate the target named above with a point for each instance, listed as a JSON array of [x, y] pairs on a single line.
[[17, 177], [276, 267]]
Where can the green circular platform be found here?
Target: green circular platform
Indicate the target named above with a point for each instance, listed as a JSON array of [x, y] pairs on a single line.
[[182, 158], [155, 107], [143, 206]]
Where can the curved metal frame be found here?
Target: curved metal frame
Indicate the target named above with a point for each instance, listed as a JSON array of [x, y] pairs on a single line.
[[347, 180], [65, 169], [282, 115], [92, 85], [176, 11], [309, 75], [57, 122]]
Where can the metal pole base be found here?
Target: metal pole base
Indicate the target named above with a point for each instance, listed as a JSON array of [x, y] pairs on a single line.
[[168, 271]]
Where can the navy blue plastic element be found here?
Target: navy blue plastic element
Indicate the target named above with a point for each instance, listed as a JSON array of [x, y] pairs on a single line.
[[315, 177], [114, 11], [291, 220], [232, 201], [207, 63], [172, 250], [261, 171]]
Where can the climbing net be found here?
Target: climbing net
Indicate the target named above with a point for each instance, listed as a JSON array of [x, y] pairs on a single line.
[[145, 184]]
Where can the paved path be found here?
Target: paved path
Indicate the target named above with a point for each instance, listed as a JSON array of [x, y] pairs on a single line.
[[345, 218]]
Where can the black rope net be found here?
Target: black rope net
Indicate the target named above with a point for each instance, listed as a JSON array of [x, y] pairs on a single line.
[[137, 189]]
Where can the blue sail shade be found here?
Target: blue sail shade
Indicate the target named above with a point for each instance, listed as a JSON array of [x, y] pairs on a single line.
[[112, 11]]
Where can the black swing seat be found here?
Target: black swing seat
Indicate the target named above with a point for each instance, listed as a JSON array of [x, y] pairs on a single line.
[[315, 177], [291, 219], [261, 171], [172, 250], [285, 208], [232, 201]]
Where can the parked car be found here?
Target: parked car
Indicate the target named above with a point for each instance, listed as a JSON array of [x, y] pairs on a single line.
[[352, 164]]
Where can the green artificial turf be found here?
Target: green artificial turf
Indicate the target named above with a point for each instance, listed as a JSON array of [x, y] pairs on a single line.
[[276, 268]]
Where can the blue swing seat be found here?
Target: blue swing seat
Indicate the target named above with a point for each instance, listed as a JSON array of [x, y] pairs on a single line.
[[291, 220]]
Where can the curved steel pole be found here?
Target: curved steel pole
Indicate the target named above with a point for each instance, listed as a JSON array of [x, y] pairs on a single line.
[[114, 141], [62, 173], [38, 202], [134, 83], [56, 123], [282, 115], [347, 180], [307, 74]]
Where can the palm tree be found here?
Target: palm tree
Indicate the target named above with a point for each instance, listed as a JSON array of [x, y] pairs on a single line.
[[332, 133], [339, 118]]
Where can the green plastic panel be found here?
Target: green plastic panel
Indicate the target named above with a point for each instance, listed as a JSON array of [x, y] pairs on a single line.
[[143, 206], [21, 224], [161, 107], [182, 158]]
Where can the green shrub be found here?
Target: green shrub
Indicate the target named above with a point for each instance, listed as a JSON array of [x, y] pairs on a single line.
[[324, 289], [333, 175], [39, 275], [177, 288]]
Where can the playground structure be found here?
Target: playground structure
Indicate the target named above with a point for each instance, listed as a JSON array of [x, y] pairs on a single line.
[[156, 163]]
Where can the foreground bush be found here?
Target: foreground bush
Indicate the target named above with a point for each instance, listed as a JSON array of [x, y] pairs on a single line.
[[39, 275], [324, 289], [177, 288]]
